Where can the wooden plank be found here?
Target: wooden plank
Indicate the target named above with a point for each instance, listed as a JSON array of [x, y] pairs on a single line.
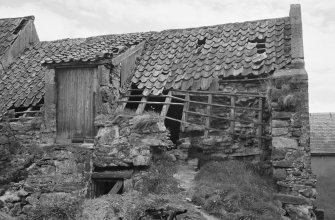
[[154, 103], [141, 106], [223, 118], [185, 109], [116, 188], [166, 105], [75, 107], [209, 112], [260, 119], [25, 112], [205, 103], [89, 64], [118, 59], [247, 94], [232, 114], [121, 174], [16, 113]]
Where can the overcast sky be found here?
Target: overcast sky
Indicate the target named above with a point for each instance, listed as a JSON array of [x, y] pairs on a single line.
[[56, 19]]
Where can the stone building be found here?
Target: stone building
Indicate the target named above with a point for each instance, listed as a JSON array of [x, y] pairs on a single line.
[[231, 91], [323, 159]]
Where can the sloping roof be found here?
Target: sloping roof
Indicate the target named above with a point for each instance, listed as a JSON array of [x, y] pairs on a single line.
[[22, 85], [322, 133], [97, 48], [9, 30], [192, 58]]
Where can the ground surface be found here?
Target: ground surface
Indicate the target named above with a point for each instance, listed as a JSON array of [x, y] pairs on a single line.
[[185, 176]]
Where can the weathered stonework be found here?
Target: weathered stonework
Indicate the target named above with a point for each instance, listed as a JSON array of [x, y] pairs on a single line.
[[120, 142], [290, 145]]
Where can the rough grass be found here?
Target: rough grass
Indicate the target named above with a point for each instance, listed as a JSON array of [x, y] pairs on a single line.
[[159, 180], [62, 208], [145, 120], [234, 190], [132, 206]]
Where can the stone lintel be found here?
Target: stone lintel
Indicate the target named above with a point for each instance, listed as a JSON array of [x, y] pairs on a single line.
[[299, 73]]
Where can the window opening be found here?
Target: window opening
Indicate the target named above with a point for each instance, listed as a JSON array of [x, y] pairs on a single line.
[[107, 186], [134, 96]]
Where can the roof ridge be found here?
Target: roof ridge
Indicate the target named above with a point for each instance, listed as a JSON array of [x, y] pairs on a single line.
[[31, 17], [225, 24], [103, 35]]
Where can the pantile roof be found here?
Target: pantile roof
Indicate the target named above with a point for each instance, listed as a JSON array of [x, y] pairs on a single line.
[[9, 30], [322, 133], [97, 48], [22, 85], [192, 58]]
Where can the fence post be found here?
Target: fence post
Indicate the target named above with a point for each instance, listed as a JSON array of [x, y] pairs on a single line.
[[209, 112], [232, 114], [186, 106], [260, 119]]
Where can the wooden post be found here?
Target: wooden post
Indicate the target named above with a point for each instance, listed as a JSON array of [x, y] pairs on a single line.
[[122, 105], [260, 119], [166, 104], [232, 114], [209, 112], [141, 106], [186, 106]]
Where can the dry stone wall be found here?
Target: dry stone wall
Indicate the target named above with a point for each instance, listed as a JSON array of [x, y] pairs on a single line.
[[221, 144], [290, 156]]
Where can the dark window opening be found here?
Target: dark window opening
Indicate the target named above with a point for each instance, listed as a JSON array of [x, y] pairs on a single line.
[[20, 26], [176, 112], [155, 107], [260, 44], [30, 111], [201, 42], [107, 186], [135, 96]]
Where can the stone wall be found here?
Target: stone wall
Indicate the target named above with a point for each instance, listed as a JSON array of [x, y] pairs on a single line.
[[128, 142], [54, 169], [221, 144], [291, 157]]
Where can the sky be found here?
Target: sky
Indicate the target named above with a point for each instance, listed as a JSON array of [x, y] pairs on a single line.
[[57, 19]]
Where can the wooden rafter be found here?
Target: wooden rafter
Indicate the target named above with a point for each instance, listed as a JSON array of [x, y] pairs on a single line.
[[141, 106], [166, 105]]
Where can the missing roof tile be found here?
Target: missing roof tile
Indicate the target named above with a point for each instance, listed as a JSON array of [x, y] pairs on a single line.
[[20, 26], [260, 44], [201, 42]]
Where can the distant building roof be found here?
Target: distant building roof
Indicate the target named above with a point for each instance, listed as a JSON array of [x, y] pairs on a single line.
[[322, 129], [192, 58]]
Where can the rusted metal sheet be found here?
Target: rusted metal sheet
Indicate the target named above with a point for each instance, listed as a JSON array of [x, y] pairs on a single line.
[[75, 102]]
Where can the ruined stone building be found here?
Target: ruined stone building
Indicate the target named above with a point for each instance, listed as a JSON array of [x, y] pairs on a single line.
[[230, 91]]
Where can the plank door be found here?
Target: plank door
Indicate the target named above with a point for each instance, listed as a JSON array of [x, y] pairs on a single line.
[[75, 103]]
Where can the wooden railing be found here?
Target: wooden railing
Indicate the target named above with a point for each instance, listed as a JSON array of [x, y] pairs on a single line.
[[232, 119]]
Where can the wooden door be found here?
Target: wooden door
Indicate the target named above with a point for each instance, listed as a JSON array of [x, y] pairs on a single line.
[[75, 103]]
